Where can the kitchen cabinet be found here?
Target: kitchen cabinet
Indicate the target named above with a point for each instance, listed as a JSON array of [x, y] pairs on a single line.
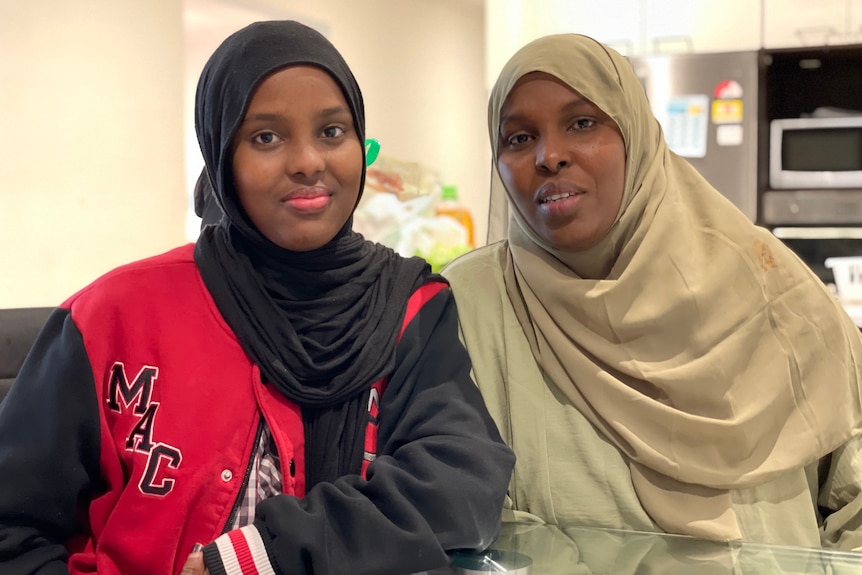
[[800, 23], [623, 32], [510, 24], [639, 27], [701, 26], [633, 27], [735, 25], [799, 80]]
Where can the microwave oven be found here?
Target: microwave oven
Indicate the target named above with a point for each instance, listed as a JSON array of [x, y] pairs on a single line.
[[815, 153]]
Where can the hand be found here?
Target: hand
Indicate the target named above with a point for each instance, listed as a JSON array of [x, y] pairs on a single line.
[[194, 564]]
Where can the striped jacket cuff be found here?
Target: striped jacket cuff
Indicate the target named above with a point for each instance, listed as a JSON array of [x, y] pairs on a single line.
[[239, 552]]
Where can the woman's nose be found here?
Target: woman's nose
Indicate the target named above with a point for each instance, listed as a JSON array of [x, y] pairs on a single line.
[[306, 159], [551, 155]]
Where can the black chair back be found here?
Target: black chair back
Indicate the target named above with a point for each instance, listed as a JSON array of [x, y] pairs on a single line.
[[18, 330]]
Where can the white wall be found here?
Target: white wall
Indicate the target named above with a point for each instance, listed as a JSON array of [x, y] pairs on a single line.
[[91, 168], [92, 121]]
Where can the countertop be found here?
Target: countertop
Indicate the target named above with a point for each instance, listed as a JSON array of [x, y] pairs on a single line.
[[555, 550]]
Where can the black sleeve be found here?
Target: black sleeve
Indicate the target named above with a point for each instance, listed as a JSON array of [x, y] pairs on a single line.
[[49, 451], [437, 484]]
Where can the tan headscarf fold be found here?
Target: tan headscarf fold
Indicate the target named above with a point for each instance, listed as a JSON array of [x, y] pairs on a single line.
[[697, 343]]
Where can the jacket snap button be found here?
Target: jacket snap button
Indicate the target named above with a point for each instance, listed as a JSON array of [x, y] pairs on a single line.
[[226, 475]]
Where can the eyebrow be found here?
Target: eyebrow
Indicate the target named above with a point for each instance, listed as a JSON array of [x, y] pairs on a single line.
[[574, 104], [334, 111], [325, 113]]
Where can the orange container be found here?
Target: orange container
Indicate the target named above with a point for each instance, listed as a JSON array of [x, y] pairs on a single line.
[[450, 206]]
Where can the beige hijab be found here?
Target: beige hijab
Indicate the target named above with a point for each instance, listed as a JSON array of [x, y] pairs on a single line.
[[695, 341]]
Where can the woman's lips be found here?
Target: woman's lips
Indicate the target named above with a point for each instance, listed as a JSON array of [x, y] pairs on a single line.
[[307, 201], [556, 191], [558, 197], [557, 200]]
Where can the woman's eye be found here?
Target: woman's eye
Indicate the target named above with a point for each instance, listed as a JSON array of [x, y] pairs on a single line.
[[333, 131], [517, 139], [583, 124], [265, 138]]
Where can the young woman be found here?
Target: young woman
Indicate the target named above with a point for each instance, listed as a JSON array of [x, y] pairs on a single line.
[[286, 394], [690, 373]]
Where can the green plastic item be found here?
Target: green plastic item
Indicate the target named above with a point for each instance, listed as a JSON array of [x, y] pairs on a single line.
[[372, 150], [449, 192]]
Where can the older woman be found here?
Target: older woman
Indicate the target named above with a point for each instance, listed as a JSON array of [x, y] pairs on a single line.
[[655, 360]]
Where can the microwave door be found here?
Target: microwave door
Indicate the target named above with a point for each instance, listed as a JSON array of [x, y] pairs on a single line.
[[815, 153], [815, 172], [707, 107]]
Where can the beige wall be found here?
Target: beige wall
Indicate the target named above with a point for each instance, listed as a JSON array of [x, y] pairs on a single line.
[[92, 121], [91, 168]]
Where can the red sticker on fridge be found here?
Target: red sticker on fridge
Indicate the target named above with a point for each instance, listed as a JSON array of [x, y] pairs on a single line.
[[728, 89]]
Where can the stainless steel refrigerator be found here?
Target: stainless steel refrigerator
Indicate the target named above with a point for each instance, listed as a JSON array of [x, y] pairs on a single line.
[[707, 107]]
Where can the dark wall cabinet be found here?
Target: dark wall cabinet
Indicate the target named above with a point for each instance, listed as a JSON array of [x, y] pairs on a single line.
[[794, 82]]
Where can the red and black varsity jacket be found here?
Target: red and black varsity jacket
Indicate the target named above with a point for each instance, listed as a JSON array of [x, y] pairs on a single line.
[[128, 433]]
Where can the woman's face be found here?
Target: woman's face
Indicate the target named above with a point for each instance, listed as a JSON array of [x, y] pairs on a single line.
[[297, 160], [563, 161]]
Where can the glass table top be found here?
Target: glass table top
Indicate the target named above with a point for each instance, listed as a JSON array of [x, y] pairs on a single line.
[[528, 549]]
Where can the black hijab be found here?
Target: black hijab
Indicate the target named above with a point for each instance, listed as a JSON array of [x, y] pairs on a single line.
[[321, 325], [205, 206]]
